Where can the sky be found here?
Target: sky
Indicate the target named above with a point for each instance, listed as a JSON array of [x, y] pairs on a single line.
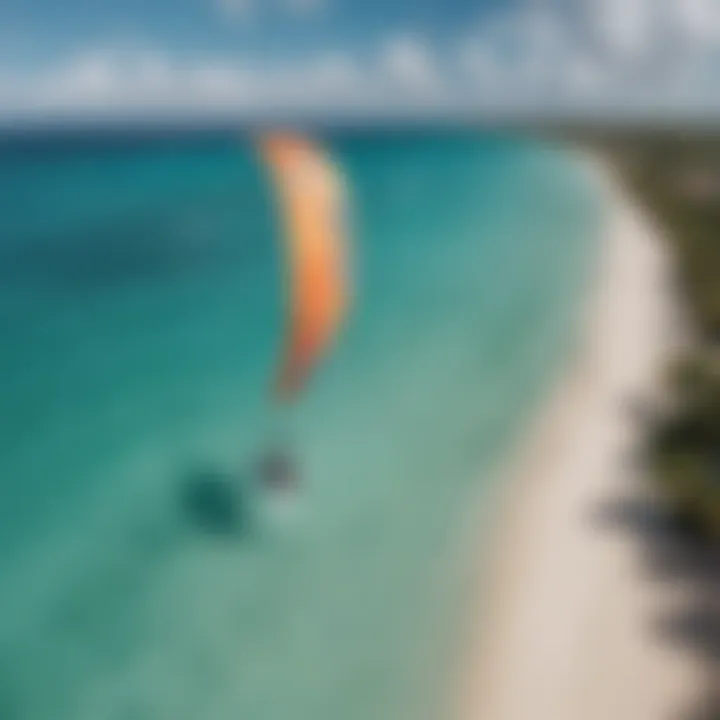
[[358, 58]]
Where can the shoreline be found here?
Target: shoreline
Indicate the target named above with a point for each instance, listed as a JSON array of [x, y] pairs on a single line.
[[565, 633]]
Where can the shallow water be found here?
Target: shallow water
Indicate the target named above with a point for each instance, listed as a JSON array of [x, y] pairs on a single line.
[[140, 317]]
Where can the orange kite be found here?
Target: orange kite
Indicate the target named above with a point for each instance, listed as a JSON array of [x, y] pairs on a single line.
[[310, 195]]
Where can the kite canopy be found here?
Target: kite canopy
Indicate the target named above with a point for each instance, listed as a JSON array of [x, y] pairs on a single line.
[[310, 198]]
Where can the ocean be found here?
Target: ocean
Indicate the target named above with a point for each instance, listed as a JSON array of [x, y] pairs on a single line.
[[141, 316]]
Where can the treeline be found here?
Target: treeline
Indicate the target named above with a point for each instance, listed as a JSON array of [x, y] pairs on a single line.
[[677, 176]]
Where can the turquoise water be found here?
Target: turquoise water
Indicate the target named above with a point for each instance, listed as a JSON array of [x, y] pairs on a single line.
[[140, 316]]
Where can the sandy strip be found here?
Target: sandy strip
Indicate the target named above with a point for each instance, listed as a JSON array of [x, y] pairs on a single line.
[[567, 630]]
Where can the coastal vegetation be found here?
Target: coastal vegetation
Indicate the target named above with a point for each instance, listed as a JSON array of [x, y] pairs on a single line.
[[677, 177]]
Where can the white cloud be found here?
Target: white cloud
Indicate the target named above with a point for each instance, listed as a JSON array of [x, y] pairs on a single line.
[[699, 20], [584, 77], [236, 9], [407, 63], [608, 51], [478, 63], [92, 76], [628, 30], [523, 54], [216, 82], [335, 73], [624, 26], [145, 81]]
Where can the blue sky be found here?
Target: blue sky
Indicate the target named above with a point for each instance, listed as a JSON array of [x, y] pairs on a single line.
[[228, 26], [80, 57]]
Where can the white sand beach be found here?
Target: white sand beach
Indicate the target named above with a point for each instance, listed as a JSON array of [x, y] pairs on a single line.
[[568, 629]]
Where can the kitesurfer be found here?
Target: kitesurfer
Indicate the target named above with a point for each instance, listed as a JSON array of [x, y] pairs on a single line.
[[277, 471]]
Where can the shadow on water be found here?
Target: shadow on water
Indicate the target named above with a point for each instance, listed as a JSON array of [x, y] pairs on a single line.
[[160, 242], [216, 502], [674, 557]]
